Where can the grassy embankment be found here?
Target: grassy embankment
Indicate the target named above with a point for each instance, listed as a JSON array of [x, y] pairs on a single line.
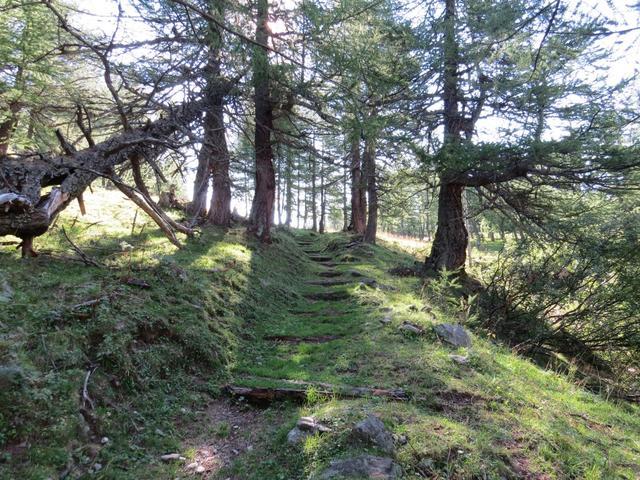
[[157, 357]]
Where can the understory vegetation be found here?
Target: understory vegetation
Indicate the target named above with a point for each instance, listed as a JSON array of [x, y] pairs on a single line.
[[316, 239], [120, 363]]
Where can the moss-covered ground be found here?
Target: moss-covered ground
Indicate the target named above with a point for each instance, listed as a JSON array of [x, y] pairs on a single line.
[[105, 369]]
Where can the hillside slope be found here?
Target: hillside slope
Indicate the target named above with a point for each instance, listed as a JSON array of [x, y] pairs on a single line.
[[106, 369]]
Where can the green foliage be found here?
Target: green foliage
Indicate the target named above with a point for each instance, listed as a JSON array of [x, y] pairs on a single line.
[[578, 297]]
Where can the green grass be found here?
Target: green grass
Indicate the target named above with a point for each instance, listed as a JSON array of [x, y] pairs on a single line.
[[161, 355]]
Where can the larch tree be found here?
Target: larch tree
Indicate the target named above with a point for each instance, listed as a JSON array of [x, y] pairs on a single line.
[[517, 63], [261, 217]]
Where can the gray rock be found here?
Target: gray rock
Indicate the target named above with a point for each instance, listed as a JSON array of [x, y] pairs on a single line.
[[364, 466], [453, 334], [386, 319], [310, 424], [411, 327], [305, 427], [371, 430], [296, 436]]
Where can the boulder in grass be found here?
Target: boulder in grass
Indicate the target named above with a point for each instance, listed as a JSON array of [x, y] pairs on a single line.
[[372, 431], [453, 334]]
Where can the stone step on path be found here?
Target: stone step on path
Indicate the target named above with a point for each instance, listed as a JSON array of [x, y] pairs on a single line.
[[329, 264], [330, 274], [296, 340], [331, 296], [320, 258], [331, 282]]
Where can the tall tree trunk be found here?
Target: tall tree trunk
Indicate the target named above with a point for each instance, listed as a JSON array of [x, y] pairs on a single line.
[[358, 198], [345, 209], [321, 227], [427, 215], [449, 246], [289, 188], [220, 206], [314, 205], [369, 161], [298, 190], [213, 159], [263, 199]]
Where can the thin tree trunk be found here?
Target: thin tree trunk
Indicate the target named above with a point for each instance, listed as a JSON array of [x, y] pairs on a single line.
[[345, 209], [369, 161], [262, 208], [358, 199], [298, 204], [468, 226], [322, 198], [314, 205], [289, 188]]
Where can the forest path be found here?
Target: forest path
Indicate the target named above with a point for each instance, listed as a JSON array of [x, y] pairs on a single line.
[[343, 324], [322, 325]]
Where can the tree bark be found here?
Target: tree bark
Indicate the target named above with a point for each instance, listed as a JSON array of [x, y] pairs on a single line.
[[289, 188], [345, 210], [369, 161], [450, 243], [449, 246], [358, 198], [314, 203], [262, 208], [220, 206]]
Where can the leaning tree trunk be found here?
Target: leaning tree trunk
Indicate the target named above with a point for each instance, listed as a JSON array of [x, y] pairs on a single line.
[[26, 213], [264, 197], [449, 248], [369, 161], [358, 198]]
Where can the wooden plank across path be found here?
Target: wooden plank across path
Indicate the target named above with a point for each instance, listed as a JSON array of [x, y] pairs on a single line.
[[298, 393]]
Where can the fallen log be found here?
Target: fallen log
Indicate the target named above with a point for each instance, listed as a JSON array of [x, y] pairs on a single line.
[[27, 213], [298, 393]]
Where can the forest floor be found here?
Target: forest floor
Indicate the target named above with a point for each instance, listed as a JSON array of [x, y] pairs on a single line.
[[105, 369]]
